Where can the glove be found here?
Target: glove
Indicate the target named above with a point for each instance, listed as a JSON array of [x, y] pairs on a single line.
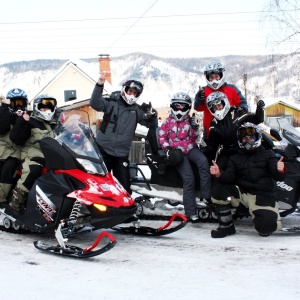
[[261, 104], [241, 111], [150, 112], [175, 156], [201, 96], [193, 122]]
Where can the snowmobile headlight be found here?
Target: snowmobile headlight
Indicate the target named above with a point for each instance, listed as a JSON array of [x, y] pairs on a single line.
[[100, 207], [91, 167]]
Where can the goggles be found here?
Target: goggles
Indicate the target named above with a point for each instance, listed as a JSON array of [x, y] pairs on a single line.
[[242, 132], [217, 72], [48, 102], [18, 103], [216, 102], [180, 106]]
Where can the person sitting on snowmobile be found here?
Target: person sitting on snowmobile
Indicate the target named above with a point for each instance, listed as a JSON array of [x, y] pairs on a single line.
[[27, 131], [250, 180], [121, 115], [12, 107], [177, 137]]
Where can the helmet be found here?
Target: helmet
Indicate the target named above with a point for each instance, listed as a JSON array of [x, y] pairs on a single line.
[[217, 98], [18, 100], [180, 105], [44, 101], [134, 84], [251, 130], [214, 68]]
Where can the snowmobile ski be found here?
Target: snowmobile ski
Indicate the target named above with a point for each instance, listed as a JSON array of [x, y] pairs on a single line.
[[77, 252], [145, 230], [291, 229]]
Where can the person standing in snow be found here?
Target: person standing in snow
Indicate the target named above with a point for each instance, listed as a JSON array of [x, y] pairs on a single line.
[[121, 115], [177, 137], [249, 180], [214, 73]]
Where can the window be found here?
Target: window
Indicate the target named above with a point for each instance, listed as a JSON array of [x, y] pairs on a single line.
[[70, 95]]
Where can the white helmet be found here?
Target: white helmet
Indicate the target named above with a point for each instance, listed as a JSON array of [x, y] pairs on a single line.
[[214, 68], [134, 84], [215, 99], [180, 105], [44, 101], [249, 129]]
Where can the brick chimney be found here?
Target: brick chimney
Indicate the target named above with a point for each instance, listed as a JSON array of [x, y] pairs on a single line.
[[104, 66]]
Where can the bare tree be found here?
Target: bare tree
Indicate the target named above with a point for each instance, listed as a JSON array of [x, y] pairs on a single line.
[[283, 17]]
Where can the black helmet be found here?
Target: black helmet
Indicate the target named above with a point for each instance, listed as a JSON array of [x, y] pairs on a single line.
[[250, 130], [135, 84]]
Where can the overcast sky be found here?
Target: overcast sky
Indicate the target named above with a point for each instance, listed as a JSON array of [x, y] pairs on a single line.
[[36, 29]]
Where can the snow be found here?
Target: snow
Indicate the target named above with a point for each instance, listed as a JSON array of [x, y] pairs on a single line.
[[187, 264]]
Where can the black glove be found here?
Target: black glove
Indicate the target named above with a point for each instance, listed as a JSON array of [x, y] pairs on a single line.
[[261, 104], [241, 111], [200, 96], [150, 112], [193, 122], [175, 156]]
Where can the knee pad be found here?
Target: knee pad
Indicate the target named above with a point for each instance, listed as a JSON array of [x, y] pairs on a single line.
[[265, 221]]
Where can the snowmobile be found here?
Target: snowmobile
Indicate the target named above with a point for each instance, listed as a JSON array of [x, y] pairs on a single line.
[[162, 192], [77, 194]]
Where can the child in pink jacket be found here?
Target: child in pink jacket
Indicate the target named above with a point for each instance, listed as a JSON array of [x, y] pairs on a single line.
[[177, 137]]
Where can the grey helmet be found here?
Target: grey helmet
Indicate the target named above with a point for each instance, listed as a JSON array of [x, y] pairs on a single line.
[[214, 68], [181, 104], [214, 99], [44, 101], [252, 130]]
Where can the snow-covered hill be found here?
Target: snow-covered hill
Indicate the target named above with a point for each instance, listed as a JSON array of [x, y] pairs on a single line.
[[262, 76]]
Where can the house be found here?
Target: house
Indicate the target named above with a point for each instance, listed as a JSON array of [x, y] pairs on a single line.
[[282, 109], [73, 83]]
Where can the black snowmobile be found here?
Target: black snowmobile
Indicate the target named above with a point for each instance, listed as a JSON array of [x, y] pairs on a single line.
[[77, 194], [165, 180]]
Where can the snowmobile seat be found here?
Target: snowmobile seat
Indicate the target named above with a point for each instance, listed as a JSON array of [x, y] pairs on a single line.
[[162, 172]]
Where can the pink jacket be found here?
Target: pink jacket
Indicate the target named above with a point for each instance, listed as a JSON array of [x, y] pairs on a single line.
[[177, 134]]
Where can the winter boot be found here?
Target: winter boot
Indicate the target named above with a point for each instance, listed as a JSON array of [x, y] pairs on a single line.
[[194, 219], [226, 226], [18, 199]]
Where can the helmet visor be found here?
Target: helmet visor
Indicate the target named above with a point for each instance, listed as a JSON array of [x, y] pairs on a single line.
[[180, 106], [243, 131], [18, 103], [49, 102]]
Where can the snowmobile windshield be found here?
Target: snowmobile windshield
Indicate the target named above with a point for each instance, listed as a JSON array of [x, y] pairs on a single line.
[[289, 132], [73, 130]]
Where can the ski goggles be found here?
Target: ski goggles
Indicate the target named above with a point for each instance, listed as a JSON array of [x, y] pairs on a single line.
[[180, 106], [242, 132], [18, 103], [48, 102]]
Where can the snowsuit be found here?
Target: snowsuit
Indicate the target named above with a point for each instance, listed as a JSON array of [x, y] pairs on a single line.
[[9, 152], [27, 134], [234, 96], [254, 173], [181, 135], [117, 131]]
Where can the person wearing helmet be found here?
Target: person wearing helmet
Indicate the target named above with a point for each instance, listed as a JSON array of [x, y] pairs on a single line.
[[214, 73], [12, 107], [121, 115], [177, 136], [27, 131], [249, 181]]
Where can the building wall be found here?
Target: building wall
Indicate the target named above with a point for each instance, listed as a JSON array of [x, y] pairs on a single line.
[[70, 79], [280, 109]]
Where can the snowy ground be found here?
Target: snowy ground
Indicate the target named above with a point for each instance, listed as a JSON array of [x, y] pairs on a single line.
[[187, 264]]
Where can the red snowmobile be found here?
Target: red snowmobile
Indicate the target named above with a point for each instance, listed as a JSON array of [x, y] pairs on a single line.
[[77, 194]]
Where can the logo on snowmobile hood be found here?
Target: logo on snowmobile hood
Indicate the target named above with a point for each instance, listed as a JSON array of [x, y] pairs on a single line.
[[45, 205]]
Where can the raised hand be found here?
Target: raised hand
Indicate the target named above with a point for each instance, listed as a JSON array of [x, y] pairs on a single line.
[[215, 170], [280, 165], [26, 116], [101, 79]]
